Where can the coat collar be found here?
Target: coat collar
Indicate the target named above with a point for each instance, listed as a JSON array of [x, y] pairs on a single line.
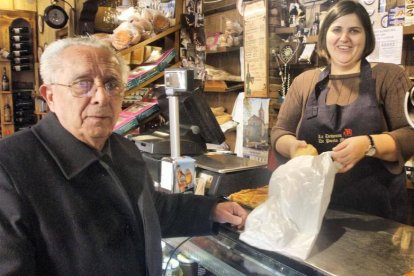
[[71, 155]]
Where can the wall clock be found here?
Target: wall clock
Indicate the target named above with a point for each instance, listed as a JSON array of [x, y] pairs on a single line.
[[55, 17]]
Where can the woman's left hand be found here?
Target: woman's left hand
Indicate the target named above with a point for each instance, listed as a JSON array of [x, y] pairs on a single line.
[[350, 151]]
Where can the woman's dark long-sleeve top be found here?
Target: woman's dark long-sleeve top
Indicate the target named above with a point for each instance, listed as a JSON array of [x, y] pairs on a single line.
[[66, 209]]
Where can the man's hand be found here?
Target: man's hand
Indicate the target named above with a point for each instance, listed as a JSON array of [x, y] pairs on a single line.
[[230, 212]]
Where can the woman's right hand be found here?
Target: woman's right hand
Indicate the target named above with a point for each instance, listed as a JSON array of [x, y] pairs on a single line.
[[295, 145], [288, 144]]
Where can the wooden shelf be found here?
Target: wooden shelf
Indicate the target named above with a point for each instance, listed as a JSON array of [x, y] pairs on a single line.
[[312, 39], [223, 50], [218, 6], [408, 30], [149, 81], [150, 40], [286, 30], [18, 79], [222, 86], [172, 31]]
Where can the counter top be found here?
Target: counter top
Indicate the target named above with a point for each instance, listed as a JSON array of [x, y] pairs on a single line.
[[359, 244], [348, 244]]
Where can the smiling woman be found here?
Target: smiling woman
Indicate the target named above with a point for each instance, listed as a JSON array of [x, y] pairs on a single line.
[[345, 42], [336, 109]]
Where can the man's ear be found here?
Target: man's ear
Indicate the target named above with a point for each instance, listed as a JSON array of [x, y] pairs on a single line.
[[47, 95]]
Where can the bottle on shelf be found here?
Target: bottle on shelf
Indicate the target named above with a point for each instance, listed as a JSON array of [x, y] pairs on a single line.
[[5, 83], [7, 113], [22, 113], [23, 105], [21, 67], [25, 120], [19, 38], [21, 46], [21, 60], [20, 53], [20, 30]]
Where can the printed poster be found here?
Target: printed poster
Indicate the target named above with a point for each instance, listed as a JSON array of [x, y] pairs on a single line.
[[255, 50], [388, 45], [256, 129]]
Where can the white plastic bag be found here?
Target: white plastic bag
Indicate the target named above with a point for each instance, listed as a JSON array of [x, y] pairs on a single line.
[[289, 221]]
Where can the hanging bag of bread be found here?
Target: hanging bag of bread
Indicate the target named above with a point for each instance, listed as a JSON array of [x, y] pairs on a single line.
[[125, 35]]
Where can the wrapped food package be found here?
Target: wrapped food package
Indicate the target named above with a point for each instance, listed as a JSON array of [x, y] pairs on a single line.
[[160, 22], [121, 39], [144, 25]]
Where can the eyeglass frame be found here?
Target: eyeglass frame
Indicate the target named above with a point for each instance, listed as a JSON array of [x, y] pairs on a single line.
[[89, 94]]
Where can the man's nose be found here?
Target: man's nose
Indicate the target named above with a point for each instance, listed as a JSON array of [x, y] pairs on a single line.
[[100, 93]]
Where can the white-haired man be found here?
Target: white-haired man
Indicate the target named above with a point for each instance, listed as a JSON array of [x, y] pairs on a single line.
[[77, 199]]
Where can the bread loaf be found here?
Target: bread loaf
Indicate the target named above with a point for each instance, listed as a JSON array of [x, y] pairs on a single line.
[[308, 150], [217, 111], [221, 119], [251, 197], [144, 26], [121, 39], [160, 23]]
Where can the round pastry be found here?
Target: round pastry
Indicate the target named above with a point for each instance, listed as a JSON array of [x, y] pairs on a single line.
[[148, 14], [308, 150], [145, 27], [160, 23], [121, 39]]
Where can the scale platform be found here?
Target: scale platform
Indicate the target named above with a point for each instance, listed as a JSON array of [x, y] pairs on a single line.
[[226, 174]]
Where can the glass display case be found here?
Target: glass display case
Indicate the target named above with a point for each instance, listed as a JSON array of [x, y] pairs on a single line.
[[348, 243], [224, 254]]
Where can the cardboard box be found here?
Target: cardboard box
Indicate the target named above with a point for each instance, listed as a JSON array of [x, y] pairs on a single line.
[[132, 116]]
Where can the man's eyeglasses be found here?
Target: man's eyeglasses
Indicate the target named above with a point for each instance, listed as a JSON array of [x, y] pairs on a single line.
[[87, 88]]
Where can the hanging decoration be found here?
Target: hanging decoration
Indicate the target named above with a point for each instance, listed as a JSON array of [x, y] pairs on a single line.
[[286, 55], [193, 39]]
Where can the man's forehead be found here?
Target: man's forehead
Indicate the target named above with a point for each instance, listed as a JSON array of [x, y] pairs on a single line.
[[86, 56], [72, 53]]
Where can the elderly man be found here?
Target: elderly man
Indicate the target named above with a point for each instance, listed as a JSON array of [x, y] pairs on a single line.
[[77, 199]]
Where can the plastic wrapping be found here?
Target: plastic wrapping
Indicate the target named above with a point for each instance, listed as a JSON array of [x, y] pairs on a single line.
[[289, 221]]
